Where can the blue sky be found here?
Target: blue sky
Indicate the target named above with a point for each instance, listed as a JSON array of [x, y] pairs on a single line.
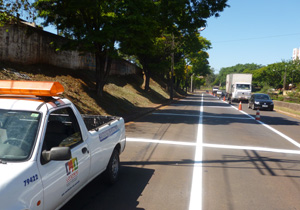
[[253, 31]]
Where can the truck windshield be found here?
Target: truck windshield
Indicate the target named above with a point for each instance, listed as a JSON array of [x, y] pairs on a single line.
[[17, 134], [243, 86]]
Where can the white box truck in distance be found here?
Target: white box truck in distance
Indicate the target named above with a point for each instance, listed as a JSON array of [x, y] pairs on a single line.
[[238, 87]]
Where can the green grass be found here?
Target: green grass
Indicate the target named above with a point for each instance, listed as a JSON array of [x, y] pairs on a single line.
[[288, 111]]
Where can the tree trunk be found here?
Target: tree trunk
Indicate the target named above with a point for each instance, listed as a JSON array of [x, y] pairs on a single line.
[[147, 79], [98, 74], [147, 73], [103, 66], [178, 81]]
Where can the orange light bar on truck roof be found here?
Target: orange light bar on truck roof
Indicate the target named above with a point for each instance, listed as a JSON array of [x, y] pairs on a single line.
[[36, 88]]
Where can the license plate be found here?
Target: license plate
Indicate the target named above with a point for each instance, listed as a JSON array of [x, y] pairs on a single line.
[[264, 105]]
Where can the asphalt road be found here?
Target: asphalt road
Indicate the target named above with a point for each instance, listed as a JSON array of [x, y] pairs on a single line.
[[202, 153]]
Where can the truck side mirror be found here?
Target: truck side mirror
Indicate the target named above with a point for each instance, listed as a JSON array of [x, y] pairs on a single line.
[[57, 153]]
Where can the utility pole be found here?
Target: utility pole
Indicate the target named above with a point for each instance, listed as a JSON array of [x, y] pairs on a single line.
[[192, 82], [284, 78]]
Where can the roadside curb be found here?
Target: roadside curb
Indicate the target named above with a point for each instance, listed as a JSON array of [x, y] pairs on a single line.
[[288, 114]]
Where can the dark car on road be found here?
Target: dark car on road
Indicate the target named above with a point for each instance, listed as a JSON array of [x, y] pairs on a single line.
[[261, 101]]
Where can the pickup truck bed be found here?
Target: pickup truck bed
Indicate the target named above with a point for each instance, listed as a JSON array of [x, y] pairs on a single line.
[[93, 122]]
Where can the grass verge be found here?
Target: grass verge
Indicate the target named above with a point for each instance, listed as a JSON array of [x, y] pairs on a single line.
[[288, 112]]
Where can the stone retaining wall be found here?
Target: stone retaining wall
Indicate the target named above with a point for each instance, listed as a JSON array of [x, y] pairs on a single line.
[[24, 44]]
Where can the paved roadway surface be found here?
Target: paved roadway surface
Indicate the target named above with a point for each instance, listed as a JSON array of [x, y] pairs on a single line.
[[202, 153]]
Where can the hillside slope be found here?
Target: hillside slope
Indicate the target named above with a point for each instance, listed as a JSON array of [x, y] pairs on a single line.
[[123, 95]]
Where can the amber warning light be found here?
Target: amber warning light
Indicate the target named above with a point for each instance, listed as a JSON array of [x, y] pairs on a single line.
[[36, 88]]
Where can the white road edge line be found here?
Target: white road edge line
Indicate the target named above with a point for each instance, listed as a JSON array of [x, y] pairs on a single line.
[[273, 129], [193, 115], [196, 191], [182, 143], [220, 146], [270, 128]]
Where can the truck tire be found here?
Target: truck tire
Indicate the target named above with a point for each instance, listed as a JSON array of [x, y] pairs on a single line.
[[112, 170]]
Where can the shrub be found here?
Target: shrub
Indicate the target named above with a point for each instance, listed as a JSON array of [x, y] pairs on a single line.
[[280, 98], [265, 89]]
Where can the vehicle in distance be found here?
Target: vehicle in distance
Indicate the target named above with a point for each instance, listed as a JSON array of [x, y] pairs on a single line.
[[261, 101], [220, 93], [238, 87], [215, 89], [48, 150]]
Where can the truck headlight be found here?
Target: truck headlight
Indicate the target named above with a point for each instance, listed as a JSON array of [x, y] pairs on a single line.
[[256, 102]]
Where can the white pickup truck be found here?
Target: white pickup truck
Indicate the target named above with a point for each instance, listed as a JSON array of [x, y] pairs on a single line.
[[48, 151]]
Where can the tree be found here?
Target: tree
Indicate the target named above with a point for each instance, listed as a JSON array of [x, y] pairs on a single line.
[[239, 68], [211, 78], [191, 51], [91, 25], [11, 11], [97, 26], [141, 33], [174, 19]]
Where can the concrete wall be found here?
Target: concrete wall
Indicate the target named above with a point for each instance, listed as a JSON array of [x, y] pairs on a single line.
[[292, 106], [25, 44]]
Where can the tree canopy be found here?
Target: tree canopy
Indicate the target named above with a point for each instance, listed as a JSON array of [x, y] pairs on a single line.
[[239, 68], [284, 74], [155, 32]]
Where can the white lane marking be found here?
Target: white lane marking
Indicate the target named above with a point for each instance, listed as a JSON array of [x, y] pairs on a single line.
[[272, 129], [263, 149], [161, 141], [173, 114], [193, 115], [240, 118], [220, 146], [196, 191], [219, 107]]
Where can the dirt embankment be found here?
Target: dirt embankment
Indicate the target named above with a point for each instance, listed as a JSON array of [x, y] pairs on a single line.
[[123, 95]]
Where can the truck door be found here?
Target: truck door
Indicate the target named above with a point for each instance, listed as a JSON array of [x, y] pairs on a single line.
[[62, 178]]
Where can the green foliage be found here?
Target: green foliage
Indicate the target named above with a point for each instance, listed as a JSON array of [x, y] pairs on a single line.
[[11, 11], [271, 75], [265, 89], [151, 31], [280, 98], [168, 29], [239, 68]]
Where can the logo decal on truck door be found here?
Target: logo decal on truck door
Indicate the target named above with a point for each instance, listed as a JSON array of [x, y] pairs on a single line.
[[72, 171], [72, 174], [71, 166]]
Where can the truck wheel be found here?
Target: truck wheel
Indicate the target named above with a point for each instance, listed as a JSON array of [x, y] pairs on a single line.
[[112, 170]]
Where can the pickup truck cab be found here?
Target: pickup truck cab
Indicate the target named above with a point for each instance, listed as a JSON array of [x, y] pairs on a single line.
[[48, 150]]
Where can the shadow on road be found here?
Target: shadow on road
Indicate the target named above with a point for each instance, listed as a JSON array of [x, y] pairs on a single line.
[[98, 195], [266, 166], [176, 116]]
